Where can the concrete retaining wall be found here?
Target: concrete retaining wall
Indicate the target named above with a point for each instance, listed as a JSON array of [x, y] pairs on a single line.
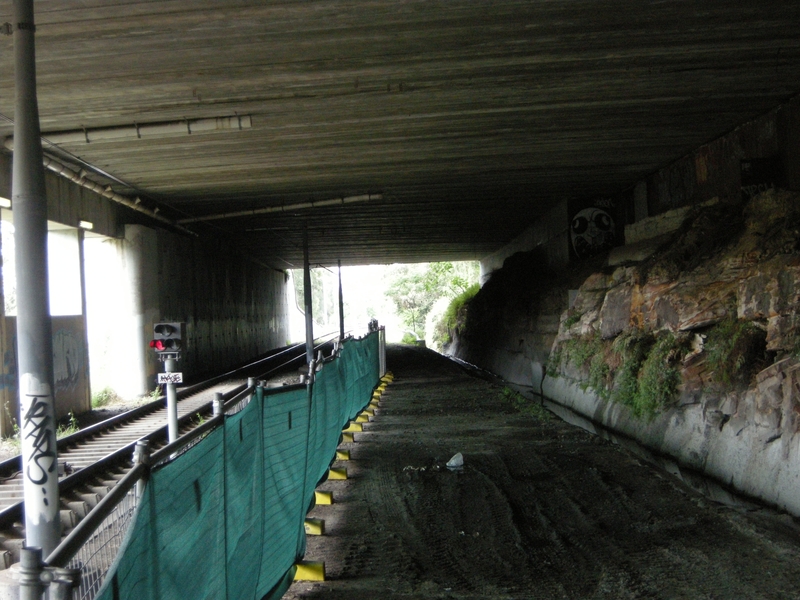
[[738, 457]]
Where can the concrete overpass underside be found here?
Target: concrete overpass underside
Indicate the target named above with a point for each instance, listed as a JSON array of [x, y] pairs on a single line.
[[452, 126]]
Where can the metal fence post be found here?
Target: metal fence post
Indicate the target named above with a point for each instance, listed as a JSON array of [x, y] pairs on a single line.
[[30, 573], [216, 405], [141, 455], [382, 350], [64, 581]]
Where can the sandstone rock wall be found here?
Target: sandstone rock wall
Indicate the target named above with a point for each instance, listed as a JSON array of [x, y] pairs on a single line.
[[732, 411]]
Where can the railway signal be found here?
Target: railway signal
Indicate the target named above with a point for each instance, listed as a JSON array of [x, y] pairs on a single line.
[[168, 339], [167, 342]]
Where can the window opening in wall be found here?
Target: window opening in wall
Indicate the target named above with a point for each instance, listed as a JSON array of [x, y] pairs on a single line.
[[63, 255]]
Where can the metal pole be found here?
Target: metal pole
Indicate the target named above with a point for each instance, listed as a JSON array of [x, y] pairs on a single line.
[[172, 402], [141, 455], [34, 333], [217, 404], [30, 573], [307, 300], [63, 584], [85, 332], [252, 383], [341, 304], [382, 350]]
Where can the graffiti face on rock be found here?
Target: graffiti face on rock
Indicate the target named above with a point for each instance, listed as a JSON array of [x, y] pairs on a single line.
[[591, 231]]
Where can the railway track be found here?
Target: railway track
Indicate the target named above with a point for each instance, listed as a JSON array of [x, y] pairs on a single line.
[[94, 459]]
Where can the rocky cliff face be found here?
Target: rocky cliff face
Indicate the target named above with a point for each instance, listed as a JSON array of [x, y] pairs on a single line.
[[693, 352]]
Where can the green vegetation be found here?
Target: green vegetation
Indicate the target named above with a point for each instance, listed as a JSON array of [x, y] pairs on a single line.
[[415, 288], [599, 372], [72, 426], [581, 350], [553, 363], [571, 319], [454, 316], [659, 376], [734, 351], [637, 369], [409, 338], [631, 349], [523, 405], [104, 397]]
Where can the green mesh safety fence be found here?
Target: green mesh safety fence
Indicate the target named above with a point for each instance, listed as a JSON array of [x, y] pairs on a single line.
[[225, 519]]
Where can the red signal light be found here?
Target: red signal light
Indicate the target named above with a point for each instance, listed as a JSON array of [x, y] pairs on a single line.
[[167, 338]]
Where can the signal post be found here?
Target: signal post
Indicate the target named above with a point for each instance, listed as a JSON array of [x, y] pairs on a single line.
[[167, 342]]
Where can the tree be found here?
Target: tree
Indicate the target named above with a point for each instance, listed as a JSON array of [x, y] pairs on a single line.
[[415, 288]]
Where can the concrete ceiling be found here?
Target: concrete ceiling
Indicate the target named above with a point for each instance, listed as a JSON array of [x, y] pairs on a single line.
[[468, 118]]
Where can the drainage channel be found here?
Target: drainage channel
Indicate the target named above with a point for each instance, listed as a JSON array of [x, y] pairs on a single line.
[[693, 479]]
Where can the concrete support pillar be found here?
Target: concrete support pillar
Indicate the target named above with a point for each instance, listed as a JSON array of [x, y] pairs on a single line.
[[141, 266], [34, 338]]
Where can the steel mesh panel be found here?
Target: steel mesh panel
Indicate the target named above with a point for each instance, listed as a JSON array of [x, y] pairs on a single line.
[[97, 555]]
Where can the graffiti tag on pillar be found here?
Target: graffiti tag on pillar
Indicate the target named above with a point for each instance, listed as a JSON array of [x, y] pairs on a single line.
[[67, 359], [36, 425]]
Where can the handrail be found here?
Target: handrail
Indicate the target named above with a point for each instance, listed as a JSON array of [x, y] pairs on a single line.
[[13, 512], [83, 532], [14, 464], [170, 449], [64, 552]]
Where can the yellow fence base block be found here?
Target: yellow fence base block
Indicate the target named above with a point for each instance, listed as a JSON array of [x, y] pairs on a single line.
[[343, 455], [308, 570], [323, 497], [337, 473], [315, 526], [348, 438], [362, 418], [353, 427]]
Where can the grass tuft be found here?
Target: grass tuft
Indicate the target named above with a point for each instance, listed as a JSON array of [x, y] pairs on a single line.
[[735, 351], [525, 406], [104, 397]]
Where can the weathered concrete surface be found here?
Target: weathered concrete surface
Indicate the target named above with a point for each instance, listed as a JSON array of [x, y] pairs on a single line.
[[733, 264]]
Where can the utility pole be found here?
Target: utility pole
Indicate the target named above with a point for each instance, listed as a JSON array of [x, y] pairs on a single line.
[[307, 300], [34, 329], [341, 305]]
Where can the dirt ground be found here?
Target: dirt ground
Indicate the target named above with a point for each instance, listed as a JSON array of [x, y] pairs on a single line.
[[541, 509]]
